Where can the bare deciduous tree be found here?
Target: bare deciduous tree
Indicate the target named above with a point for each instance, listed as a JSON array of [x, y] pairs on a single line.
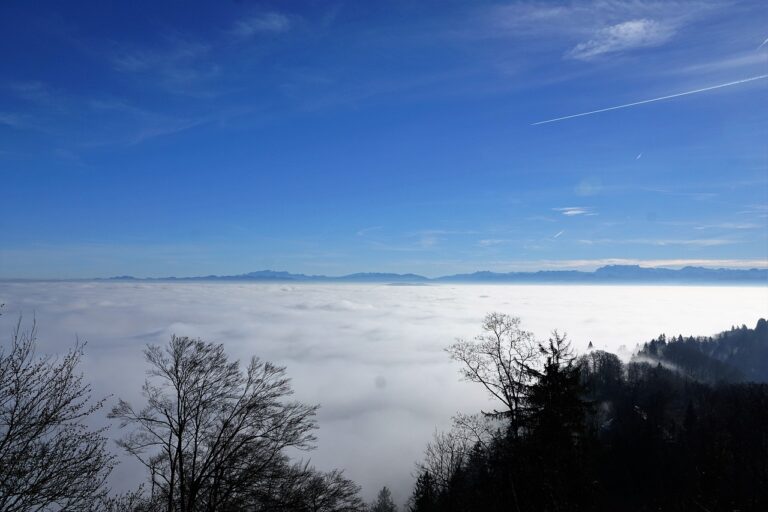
[[49, 458], [133, 501], [449, 452], [499, 359], [211, 434], [301, 488], [478, 429], [444, 456]]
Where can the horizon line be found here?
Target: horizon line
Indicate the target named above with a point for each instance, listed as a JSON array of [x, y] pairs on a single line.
[[265, 273]]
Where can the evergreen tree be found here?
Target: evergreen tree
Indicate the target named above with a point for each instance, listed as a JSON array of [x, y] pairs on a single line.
[[557, 409], [424, 498], [557, 429], [675, 429], [384, 502]]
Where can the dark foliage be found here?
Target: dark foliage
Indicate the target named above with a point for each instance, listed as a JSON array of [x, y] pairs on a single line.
[[601, 435], [738, 355]]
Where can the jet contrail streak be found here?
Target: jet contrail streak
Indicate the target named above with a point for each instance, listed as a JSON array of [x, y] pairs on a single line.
[[686, 93], [763, 43]]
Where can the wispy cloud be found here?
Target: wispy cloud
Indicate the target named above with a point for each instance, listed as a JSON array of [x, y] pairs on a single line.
[[572, 211], [12, 120], [33, 91], [490, 242], [589, 187], [740, 60], [178, 52], [628, 35], [428, 241], [366, 231], [694, 242], [698, 242], [590, 264], [266, 23], [180, 65], [661, 98], [695, 195], [422, 244], [757, 210], [731, 225], [594, 28]]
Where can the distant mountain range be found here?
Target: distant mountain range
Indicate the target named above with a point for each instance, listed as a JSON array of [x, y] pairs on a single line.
[[607, 274]]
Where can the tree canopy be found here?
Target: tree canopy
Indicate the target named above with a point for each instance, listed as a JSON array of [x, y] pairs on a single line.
[[594, 433], [49, 457]]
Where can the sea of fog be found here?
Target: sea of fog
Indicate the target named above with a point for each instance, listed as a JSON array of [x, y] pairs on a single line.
[[370, 354]]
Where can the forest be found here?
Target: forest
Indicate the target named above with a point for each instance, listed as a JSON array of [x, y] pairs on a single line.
[[683, 425]]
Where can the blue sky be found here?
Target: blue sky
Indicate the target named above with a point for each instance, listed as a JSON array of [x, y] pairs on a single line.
[[183, 138]]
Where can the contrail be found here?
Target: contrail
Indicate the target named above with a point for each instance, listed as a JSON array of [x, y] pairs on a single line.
[[763, 43], [686, 93]]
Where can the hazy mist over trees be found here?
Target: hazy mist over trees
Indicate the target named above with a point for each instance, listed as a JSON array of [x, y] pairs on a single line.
[[679, 427], [737, 355], [212, 436], [682, 426]]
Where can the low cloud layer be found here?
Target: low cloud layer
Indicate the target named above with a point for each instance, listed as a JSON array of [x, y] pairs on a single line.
[[371, 355]]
